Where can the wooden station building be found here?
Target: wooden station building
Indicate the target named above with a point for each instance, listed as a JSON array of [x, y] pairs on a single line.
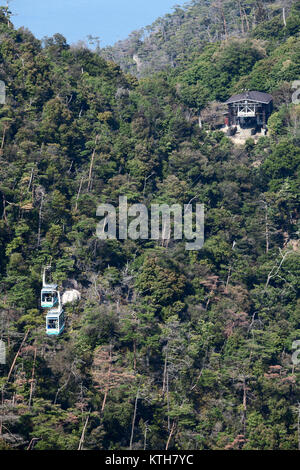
[[249, 109]]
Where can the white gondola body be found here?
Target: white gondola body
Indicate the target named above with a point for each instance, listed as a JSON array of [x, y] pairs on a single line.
[[55, 319], [55, 322], [49, 296], [51, 300]]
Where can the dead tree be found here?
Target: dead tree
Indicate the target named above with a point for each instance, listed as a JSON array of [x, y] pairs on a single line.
[[133, 419], [32, 377], [81, 442], [106, 374], [92, 164], [277, 267], [78, 194], [172, 430]]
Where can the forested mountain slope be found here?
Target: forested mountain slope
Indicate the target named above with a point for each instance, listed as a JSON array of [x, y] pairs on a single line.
[[195, 345], [176, 37]]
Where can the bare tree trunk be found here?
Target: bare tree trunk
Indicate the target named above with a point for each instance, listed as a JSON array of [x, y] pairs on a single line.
[[145, 183], [81, 442], [275, 270], [134, 354], [225, 26], [168, 400], [40, 221], [133, 420], [31, 178], [78, 194], [2, 409], [3, 137], [200, 121], [92, 164], [165, 374], [241, 16], [4, 209], [228, 278], [267, 225], [201, 371], [246, 19], [284, 17], [220, 5], [145, 435], [208, 34], [267, 233], [16, 356], [33, 441], [32, 378], [170, 435], [60, 389], [298, 426], [108, 382], [244, 404], [9, 375]]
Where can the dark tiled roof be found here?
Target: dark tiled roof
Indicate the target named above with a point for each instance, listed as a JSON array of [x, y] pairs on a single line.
[[251, 95]]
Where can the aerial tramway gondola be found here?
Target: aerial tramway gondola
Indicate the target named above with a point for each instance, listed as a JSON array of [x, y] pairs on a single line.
[[49, 292], [50, 300], [55, 319]]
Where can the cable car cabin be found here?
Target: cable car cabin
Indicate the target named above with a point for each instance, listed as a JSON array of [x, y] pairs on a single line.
[[55, 322], [49, 296]]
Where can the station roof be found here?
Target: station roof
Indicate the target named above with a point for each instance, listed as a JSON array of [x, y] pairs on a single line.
[[257, 96]]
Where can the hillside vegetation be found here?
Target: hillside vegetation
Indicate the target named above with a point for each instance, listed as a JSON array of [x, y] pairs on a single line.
[[176, 38], [167, 348]]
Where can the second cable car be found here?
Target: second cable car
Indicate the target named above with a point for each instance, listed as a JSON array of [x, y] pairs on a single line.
[[55, 319]]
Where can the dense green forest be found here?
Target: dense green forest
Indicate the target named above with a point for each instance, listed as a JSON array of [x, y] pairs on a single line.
[[167, 348], [179, 36]]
